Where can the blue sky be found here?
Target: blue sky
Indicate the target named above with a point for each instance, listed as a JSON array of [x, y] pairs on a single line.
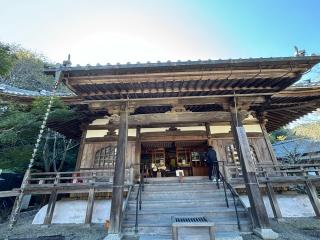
[[96, 31]]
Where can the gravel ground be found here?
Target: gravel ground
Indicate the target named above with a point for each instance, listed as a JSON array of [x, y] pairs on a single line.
[[290, 229], [295, 229], [24, 229]]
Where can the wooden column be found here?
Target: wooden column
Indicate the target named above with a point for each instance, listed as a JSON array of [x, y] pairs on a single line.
[[208, 131], [263, 122], [119, 173], [50, 208], [82, 143], [273, 202], [259, 212], [89, 206], [313, 196], [137, 152]]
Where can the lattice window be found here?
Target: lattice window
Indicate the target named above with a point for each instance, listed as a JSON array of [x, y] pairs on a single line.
[[105, 157], [232, 154]]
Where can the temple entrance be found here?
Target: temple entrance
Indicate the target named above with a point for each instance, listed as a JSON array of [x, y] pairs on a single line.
[[162, 159]]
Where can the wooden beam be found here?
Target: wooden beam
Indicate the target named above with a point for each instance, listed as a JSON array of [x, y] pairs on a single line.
[[173, 101], [313, 197], [118, 178], [178, 117], [111, 93], [273, 201], [12, 193], [90, 204], [170, 118]]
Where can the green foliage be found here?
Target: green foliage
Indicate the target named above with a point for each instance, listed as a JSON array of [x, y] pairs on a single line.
[[282, 134], [27, 71], [19, 127], [6, 59], [16, 158], [24, 69]]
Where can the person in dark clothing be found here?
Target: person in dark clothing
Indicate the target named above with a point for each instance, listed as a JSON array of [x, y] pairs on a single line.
[[212, 163]]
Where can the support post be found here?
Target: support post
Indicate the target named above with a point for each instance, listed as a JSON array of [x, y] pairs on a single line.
[[274, 202], [259, 212], [208, 131], [313, 196], [263, 122], [119, 175], [82, 143], [90, 204], [50, 208], [137, 153]]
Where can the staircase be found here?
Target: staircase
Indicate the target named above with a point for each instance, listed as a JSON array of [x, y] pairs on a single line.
[[163, 198]]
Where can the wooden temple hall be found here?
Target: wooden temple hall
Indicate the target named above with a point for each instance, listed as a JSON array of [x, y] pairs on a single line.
[[145, 121]]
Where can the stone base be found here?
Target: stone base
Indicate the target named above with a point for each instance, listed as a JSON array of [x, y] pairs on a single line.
[[265, 233], [280, 220], [113, 236]]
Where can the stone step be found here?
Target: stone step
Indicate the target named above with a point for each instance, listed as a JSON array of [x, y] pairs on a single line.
[[183, 203], [202, 236], [180, 185], [218, 211], [163, 198], [184, 187], [214, 192], [181, 195], [165, 219], [161, 228], [186, 179]]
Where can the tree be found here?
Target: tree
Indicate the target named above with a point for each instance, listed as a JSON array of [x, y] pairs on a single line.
[[55, 150], [19, 127], [6, 59], [27, 71], [24, 69], [308, 130]]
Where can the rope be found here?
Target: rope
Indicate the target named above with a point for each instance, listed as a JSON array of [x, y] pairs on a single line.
[[17, 205]]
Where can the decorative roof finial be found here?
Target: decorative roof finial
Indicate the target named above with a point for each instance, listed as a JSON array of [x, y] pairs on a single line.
[[67, 63], [299, 53]]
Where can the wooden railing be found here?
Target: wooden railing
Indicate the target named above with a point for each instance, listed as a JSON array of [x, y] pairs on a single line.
[[82, 176], [273, 170]]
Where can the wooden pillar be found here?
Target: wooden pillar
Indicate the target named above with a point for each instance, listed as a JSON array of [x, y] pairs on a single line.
[[259, 212], [208, 131], [263, 122], [119, 174], [82, 143], [273, 202], [313, 196], [50, 208], [89, 206], [137, 152]]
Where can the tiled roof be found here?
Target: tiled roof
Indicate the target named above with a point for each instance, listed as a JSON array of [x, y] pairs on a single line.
[[179, 63], [4, 88], [299, 146]]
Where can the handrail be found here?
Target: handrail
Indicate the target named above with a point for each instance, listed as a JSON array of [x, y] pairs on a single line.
[[139, 199], [234, 196]]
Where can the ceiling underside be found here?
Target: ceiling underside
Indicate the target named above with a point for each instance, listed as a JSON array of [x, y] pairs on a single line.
[[181, 88]]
